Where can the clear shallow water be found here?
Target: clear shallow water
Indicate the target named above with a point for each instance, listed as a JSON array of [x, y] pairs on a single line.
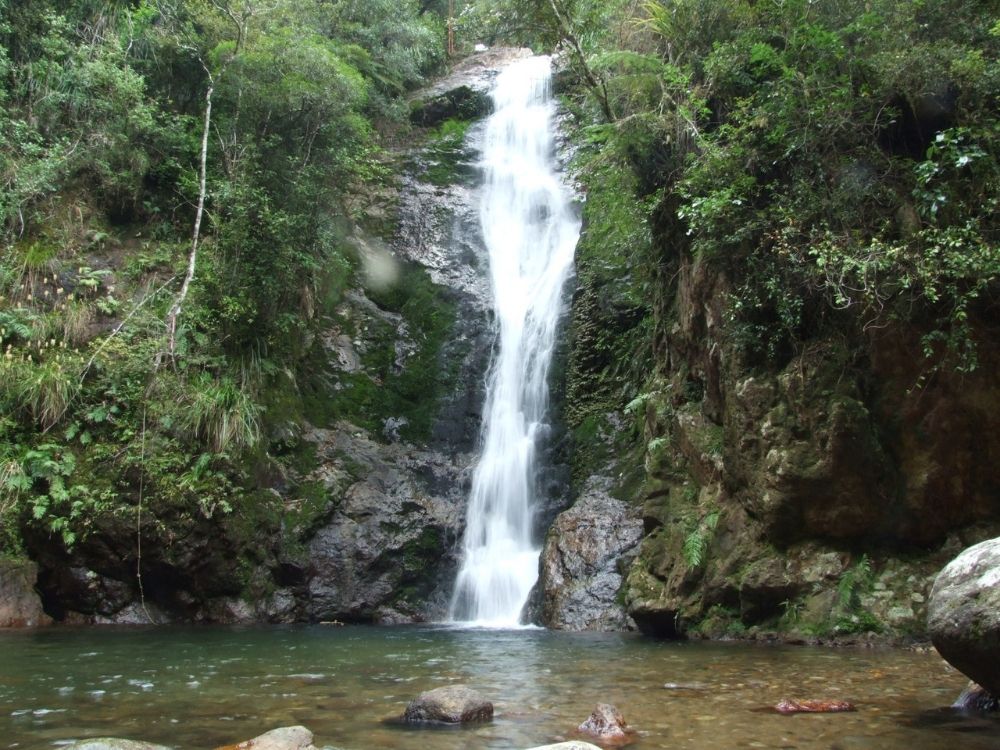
[[203, 687]]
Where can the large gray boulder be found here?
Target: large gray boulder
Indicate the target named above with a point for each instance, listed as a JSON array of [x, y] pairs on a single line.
[[586, 551], [20, 606], [454, 704], [963, 614]]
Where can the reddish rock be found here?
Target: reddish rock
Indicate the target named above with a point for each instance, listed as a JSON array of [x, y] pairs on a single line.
[[789, 706], [285, 738], [607, 725]]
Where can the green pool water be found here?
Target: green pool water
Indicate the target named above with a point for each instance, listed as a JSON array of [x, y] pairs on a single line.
[[203, 687]]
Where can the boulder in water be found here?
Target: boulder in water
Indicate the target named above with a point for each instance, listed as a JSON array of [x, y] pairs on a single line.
[[285, 738], [585, 552], [607, 725], [573, 745], [975, 699], [963, 614], [454, 704], [789, 706]]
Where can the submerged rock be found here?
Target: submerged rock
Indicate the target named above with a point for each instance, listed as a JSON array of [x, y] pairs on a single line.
[[691, 686], [976, 700], [789, 706], [20, 605], [963, 614], [284, 738], [454, 704], [114, 743], [582, 562], [607, 725], [573, 745]]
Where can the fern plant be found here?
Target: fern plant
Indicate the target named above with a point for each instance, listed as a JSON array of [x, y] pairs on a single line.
[[855, 581], [698, 538]]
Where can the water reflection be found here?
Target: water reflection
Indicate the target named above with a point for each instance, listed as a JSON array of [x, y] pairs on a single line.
[[211, 686]]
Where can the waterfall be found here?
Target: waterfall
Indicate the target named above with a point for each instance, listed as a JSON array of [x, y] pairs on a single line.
[[530, 232]]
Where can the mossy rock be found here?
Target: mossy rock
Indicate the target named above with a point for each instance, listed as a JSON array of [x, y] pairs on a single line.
[[461, 103]]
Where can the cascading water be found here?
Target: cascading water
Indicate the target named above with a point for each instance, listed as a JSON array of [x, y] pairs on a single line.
[[530, 231]]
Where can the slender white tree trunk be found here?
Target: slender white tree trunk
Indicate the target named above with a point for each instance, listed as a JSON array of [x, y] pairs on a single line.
[[175, 309]]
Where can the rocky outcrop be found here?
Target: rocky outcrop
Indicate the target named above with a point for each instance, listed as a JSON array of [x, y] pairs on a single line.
[[812, 492], [454, 704], [964, 614], [582, 564], [384, 553], [20, 606]]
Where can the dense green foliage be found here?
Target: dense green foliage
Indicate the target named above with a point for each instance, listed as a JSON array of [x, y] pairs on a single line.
[[102, 109], [834, 165], [839, 160]]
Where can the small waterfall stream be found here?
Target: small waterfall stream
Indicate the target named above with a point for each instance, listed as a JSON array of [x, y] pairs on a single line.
[[530, 231]]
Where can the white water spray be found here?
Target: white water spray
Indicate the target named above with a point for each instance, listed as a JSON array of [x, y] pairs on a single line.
[[530, 233]]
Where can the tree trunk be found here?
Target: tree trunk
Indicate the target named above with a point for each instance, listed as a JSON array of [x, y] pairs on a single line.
[[175, 309]]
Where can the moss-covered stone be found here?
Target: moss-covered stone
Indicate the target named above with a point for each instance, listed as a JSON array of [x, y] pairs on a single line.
[[460, 103]]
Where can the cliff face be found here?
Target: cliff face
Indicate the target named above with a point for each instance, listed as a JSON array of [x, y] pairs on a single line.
[[812, 497], [352, 507]]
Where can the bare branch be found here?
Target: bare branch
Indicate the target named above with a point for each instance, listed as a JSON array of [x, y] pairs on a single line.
[[594, 80]]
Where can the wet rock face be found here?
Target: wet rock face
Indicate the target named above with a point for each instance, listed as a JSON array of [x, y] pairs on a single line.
[[439, 231], [20, 606], [475, 72], [585, 553], [385, 553], [964, 614], [454, 704]]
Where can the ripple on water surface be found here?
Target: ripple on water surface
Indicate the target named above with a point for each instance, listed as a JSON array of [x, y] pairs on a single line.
[[211, 686]]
